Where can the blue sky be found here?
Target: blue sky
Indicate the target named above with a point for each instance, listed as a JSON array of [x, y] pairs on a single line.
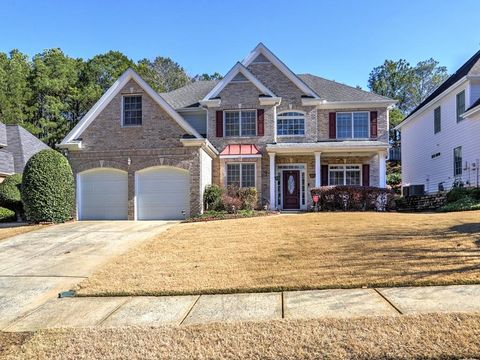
[[339, 40]]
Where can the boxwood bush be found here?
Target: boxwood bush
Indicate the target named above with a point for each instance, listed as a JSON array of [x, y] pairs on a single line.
[[48, 189], [6, 215], [10, 197]]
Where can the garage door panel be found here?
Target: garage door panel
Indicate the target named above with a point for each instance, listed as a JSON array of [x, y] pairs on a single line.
[[103, 195], [162, 193]]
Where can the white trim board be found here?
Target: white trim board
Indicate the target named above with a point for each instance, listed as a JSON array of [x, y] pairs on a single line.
[[117, 86], [262, 49], [238, 68]]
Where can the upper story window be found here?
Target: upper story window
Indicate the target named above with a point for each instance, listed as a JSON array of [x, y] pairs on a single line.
[[132, 110], [241, 175], [460, 105], [457, 161], [291, 123], [437, 120], [353, 125], [240, 122], [344, 175]]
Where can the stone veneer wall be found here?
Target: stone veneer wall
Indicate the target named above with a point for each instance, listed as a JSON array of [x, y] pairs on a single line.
[[422, 202]]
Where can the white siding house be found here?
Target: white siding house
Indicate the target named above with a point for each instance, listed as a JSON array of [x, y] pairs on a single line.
[[432, 132]]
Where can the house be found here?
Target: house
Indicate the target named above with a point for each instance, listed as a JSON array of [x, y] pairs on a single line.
[[142, 155], [17, 146], [440, 145]]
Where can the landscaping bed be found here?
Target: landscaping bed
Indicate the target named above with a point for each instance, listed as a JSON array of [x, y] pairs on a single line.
[[433, 336], [294, 252], [224, 215]]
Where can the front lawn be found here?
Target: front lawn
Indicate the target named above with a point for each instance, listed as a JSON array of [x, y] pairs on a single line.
[[433, 336], [305, 251]]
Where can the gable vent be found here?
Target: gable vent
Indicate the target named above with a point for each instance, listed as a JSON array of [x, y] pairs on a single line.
[[260, 59]]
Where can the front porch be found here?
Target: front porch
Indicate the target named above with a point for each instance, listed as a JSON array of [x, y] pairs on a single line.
[[294, 169]]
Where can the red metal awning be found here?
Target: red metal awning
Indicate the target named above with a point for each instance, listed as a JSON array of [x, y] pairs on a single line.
[[243, 149]]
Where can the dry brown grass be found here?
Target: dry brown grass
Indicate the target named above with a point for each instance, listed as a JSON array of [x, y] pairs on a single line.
[[307, 251], [404, 337], [7, 231]]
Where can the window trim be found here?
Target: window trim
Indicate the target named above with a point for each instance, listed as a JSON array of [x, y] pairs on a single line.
[[353, 126], [240, 123], [344, 173], [241, 163], [122, 114], [304, 115], [455, 174], [458, 115], [435, 131]]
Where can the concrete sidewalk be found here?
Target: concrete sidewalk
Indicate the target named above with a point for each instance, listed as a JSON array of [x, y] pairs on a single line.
[[184, 310]]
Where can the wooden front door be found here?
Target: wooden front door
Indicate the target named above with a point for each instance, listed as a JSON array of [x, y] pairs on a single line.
[[291, 189]]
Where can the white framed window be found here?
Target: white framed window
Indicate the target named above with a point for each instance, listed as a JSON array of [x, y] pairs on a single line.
[[353, 125], [241, 174], [240, 122], [457, 161], [344, 175], [291, 123], [132, 110], [460, 105]]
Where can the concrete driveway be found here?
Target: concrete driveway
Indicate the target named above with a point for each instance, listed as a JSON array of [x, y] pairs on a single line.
[[35, 266]]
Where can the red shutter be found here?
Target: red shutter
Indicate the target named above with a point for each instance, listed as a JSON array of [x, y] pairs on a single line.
[[373, 124], [324, 175], [366, 175], [260, 122], [219, 124], [332, 125]]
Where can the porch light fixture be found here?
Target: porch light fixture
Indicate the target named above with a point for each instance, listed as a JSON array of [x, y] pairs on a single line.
[[129, 161]]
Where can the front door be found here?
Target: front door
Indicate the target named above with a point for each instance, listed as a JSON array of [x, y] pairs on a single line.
[[291, 189]]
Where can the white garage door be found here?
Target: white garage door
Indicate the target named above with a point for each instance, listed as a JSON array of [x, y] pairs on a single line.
[[103, 195], [162, 193]]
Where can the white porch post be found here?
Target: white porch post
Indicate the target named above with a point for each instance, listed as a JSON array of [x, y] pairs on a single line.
[[318, 172], [382, 169], [272, 181]]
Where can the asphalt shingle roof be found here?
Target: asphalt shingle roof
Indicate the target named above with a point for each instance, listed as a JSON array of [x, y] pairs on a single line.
[[18, 147], [472, 67], [191, 94]]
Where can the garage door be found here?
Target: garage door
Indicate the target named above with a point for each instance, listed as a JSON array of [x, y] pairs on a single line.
[[103, 195], [162, 193]]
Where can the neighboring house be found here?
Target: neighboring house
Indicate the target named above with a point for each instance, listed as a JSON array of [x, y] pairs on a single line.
[[142, 155], [440, 138], [17, 145]]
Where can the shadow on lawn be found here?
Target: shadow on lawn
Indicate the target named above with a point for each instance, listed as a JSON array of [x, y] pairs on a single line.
[[469, 228]]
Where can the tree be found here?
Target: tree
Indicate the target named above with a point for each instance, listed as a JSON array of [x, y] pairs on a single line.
[[48, 190], [206, 77], [428, 76], [163, 74]]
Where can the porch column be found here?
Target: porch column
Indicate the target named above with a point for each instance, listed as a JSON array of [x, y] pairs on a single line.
[[272, 181], [382, 169], [318, 172]]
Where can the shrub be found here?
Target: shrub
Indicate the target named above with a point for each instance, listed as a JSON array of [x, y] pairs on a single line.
[[248, 197], [463, 204], [354, 198], [231, 203], [10, 194], [456, 194], [6, 215], [212, 197], [48, 190], [475, 193]]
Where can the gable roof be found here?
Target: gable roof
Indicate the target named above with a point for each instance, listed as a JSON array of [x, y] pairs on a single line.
[[18, 147], [117, 86], [333, 91], [261, 49], [471, 65], [189, 95], [237, 69]]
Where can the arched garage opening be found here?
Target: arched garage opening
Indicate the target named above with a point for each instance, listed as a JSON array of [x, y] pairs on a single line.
[[162, 193], [102, 194]]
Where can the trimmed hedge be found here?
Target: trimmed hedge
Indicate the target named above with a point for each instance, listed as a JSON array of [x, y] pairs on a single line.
[[10, 196], [354, 198], [48, 190], [7, 215]]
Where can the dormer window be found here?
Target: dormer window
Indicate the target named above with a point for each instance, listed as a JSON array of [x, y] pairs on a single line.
[[132, 110]]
